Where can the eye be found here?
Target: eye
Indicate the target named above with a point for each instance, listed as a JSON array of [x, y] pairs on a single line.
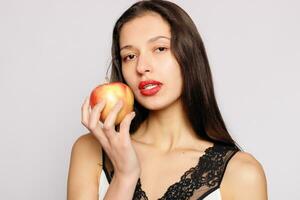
[[160, 49], [129, 57]]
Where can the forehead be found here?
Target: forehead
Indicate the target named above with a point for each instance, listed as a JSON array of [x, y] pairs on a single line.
[[141, 29]]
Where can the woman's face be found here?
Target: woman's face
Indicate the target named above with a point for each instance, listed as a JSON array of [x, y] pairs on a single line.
[[146, 55]]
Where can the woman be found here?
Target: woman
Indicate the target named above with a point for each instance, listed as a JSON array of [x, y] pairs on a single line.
[[176, 145]]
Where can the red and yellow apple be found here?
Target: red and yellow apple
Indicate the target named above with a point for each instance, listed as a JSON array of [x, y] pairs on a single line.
[[112, 93]]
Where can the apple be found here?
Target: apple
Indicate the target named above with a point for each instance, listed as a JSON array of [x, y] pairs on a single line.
[[112, 93]]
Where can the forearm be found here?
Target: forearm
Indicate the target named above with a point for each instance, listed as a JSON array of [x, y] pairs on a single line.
[[121, 189]]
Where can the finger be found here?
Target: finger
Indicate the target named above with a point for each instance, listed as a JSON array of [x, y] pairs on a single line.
[[85, 112], [95, 114], [109, 124], [95, 124], [125, 124], [100, 136]]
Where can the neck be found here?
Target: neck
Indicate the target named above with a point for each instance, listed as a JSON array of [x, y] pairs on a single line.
[[167, 129]]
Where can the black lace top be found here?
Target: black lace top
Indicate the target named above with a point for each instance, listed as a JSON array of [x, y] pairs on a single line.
[[196, 183]]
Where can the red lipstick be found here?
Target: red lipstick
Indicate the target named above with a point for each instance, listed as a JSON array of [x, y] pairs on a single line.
[[149, 87]]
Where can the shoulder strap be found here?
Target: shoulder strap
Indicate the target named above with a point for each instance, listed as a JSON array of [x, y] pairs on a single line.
[[218, 160], [229, 153]]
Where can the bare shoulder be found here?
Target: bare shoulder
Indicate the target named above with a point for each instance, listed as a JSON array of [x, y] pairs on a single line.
[[87, 142], [244, 178], [84, 168], [87, 148]]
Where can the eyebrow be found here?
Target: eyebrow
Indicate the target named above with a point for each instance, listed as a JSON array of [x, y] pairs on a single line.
[[150, 40]]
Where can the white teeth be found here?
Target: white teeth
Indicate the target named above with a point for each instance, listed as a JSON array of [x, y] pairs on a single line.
[[150, 86]]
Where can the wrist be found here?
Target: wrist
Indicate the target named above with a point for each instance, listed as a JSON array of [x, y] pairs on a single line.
[[128, 176], [126, 179], [121, 188]]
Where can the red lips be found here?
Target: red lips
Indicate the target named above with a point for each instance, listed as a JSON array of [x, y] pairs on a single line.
[[144, 83]]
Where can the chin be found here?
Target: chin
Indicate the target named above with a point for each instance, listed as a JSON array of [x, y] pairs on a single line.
[[157, 104]]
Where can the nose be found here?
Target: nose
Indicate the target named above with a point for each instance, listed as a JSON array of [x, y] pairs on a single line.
[[143, 64]]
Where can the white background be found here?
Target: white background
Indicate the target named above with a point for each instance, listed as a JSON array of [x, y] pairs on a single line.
[[53, 53]]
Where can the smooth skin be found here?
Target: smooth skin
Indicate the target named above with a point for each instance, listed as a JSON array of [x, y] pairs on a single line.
[[156, 149]]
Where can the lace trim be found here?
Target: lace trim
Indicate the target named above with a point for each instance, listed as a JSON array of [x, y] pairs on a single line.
[[208, 172], [139, 194]]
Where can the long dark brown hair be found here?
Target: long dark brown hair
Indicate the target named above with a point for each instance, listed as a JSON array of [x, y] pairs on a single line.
[[198, 96]]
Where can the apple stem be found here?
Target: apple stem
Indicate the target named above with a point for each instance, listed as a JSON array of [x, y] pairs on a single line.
[[106, 75], [106, 79]]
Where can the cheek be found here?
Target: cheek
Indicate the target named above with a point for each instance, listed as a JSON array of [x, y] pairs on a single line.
[[172, 71], [176, 78], [126, 74], [129, 78]]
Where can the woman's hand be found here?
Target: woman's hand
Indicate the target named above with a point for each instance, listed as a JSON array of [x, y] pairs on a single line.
[[117, 145]]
